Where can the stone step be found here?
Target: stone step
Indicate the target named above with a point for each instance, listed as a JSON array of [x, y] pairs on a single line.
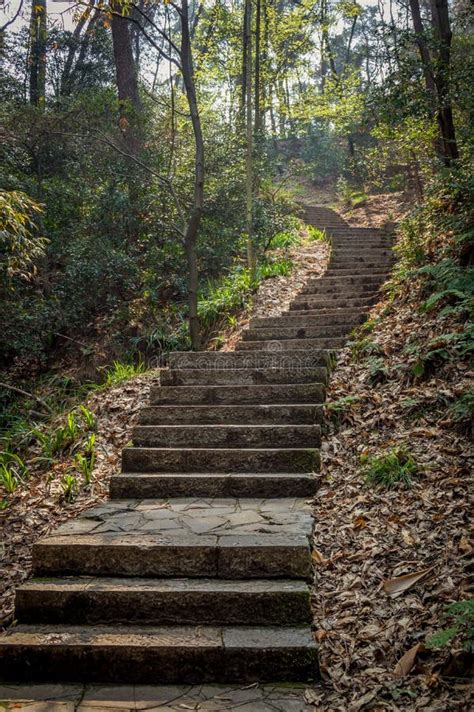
[[296, 332], [234, 359], [362, 241], [348, 285], [221, 395], [241, 376], [356, 289], [226, 436], [355, 272], [220, 460], [336, 279], [217, 414], [167, 654], [138, 601], [291, 319], [381, 264], [248, 484], [333, 300], [334, 342], [333, 312], [357, 232], [225, 538]]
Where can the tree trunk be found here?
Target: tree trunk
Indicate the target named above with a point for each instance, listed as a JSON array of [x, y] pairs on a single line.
[[127, 81], [258, 107], [251, 258], [74, 43], [443, 36], [192, 228], [37, 55], [436, 74]]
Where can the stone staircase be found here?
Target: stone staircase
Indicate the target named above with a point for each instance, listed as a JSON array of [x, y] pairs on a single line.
[[198, 567]]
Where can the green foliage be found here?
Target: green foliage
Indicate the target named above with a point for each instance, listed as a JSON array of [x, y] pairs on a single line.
[[69, 487], [225, 297], [395, 466], [8, 479], [19, 245], [120, 372], [364, 347], [460, 615], [452, 288], [462, 410], [349, 196], [378, 372], [453, 346], [337, 410], [85, 461]]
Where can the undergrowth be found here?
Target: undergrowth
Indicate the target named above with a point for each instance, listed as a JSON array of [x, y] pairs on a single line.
[[395, 466]]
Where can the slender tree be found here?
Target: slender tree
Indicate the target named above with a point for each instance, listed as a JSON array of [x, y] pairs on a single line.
[[37, 53]]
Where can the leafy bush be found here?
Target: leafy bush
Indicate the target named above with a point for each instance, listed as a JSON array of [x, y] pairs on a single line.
[[394, 466]]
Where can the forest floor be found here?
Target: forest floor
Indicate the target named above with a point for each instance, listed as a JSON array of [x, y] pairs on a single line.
[[388, 560]]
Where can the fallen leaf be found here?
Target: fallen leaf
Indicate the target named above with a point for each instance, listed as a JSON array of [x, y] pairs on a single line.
[[396, 586], [407, 661], [318, 558]]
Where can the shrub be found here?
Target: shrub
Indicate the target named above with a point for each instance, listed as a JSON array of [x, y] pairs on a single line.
[[394, 466]]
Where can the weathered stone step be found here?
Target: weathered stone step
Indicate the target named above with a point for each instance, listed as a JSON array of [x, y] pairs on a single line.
[[234, 359], [334, 342], [247, 484], [346, 285], [362, 231], [292, 319], [344, 280], [217, 414], [229, 538], [254, 394], [181, 654], [296, 332], [381, 264], [220, 460], [241, 376], [333, 300], [350, 241], [357, 289], [82, 600], [333, 312], [226, 436], [355, 272]]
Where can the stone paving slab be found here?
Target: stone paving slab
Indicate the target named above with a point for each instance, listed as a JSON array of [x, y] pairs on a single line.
[[183, 516], [166, 698]]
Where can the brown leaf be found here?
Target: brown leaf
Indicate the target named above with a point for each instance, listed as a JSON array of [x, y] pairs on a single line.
[[396, 586], [320, 634], [407, 661], [318, 558]]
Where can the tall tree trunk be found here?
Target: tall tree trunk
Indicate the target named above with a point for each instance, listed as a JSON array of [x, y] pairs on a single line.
[[443, 36], [37, 54], [192, 228], [436, 74], [258, 86], [251, 258], [127, 81]]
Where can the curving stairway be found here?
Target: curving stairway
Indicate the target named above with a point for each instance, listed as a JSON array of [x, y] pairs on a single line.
[[198, 567]]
